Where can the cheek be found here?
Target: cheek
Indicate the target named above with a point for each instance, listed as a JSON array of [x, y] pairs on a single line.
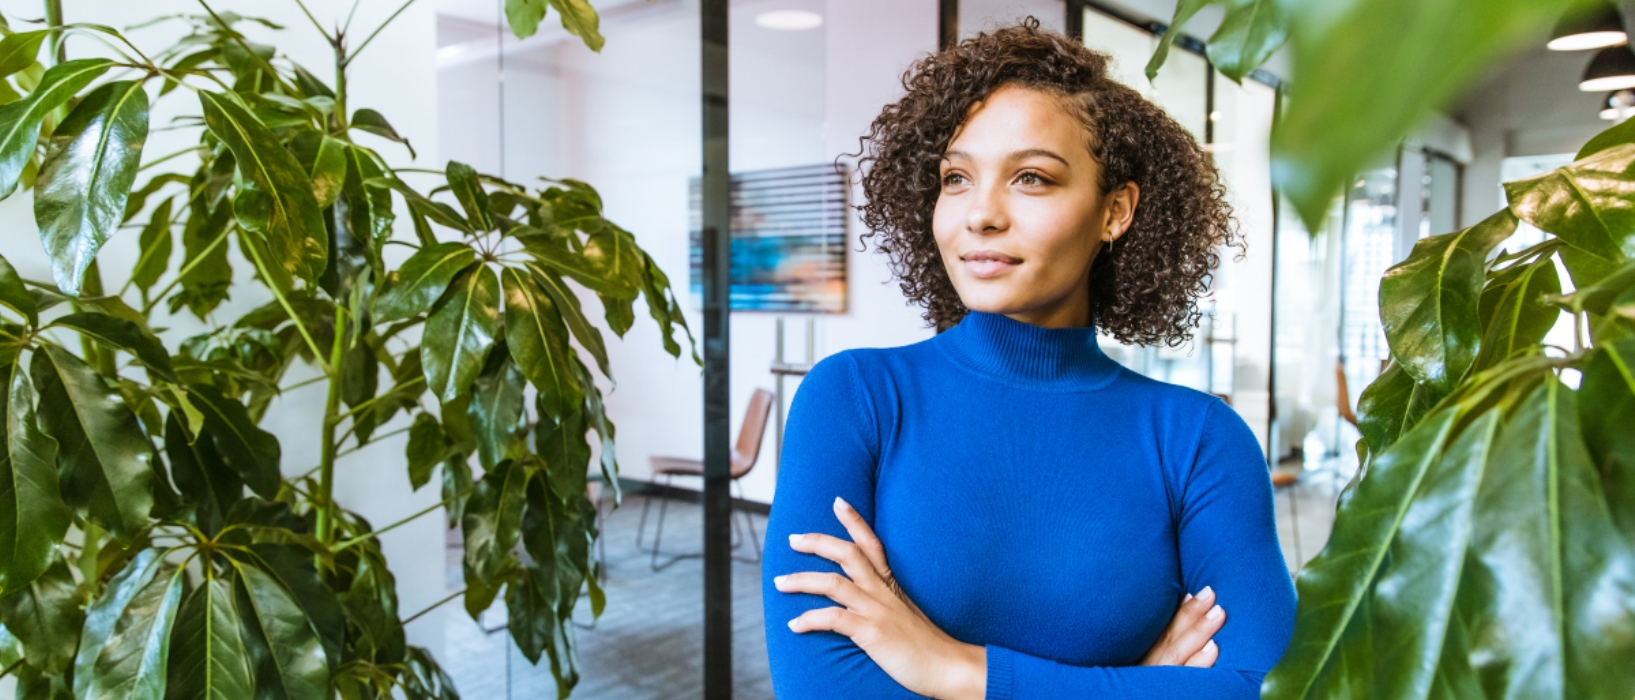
[[1059, 232]]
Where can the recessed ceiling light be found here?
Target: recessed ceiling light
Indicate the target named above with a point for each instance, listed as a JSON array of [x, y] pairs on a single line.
[[789, 20]]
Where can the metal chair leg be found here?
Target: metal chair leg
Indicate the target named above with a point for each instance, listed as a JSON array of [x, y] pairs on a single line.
[[647, 502], [749, 521], [658, 535]]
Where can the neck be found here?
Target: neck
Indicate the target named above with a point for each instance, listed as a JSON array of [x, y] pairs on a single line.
[[1024, 354]]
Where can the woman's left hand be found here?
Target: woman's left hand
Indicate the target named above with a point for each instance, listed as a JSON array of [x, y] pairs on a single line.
[[879, 617]]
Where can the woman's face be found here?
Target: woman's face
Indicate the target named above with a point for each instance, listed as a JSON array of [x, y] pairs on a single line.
[[1021, 214]]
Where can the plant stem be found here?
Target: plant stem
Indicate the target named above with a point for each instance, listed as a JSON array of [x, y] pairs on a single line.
[[372, 35], [315, 24], [300, 384], [55, 53], [183, 152], [368, 535], [389, 393], [148, 308], [432, 607], [326, 464], [88, 555], [372, 440], [19, 662], [255, 259], [246, 46]]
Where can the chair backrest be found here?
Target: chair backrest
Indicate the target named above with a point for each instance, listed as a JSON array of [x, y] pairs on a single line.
[[1342, 393], [751, 432]]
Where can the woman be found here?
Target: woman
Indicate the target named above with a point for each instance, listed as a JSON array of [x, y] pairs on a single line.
[[1045, 513]]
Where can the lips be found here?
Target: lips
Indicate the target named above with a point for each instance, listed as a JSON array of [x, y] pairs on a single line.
[[988, 263]]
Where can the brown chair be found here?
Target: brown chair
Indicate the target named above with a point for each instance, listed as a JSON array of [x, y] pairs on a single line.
[[744, 456], [1342, 394]]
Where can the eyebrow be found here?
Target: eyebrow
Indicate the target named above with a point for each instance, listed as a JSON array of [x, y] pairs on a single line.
[[1015, 155]]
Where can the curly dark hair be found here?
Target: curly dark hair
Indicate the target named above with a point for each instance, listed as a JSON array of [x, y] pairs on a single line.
[[1144, 290]]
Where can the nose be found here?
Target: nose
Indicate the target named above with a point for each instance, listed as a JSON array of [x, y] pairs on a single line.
[[988, 212]]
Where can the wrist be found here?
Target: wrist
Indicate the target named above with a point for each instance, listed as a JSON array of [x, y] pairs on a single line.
[[968, 673]]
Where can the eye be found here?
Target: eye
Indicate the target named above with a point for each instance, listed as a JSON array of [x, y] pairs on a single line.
[[952, 179], [1030, 178]]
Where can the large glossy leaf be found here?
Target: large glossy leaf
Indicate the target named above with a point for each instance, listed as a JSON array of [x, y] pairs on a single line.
[[567, 303], [1429, 302], [422, 280], [606, 266], [496, 406], [292, 568], [323, 158], [1331, 635], [1514, 313], [1589, 204], [90, 165], [1250, 33], [201, 475], [204, 253], [1392, 405], [493, 517], [562, 446], [20, 120], [1372, 72], [360, 380], [125, 647], [1184, 10], [459, 332], [45, 616], [250, 451], [665, 309], [463, 182], [370, 121], [209, 657], [1606, 402], [1556, 614], [539, 341], [103, 453], [369, 208], [33, 518], [15, 296], [19, 50], [155, 245], [371, 610], [124, 335], [420, 205], [285, 652], [427, 448], [274, 202]]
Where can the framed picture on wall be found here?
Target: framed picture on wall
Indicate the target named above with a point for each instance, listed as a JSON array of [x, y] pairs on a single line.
[[788, 239]]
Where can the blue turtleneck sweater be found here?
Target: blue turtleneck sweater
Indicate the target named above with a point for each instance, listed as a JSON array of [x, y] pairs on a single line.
[[1036, 498]]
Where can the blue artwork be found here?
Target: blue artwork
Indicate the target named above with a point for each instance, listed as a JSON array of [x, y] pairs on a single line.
[[788, 240]]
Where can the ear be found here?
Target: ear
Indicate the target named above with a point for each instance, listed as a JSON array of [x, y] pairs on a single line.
[[1118, 210]]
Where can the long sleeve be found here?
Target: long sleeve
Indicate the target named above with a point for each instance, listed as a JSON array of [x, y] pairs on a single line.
[[830, 448], [1228, 540]]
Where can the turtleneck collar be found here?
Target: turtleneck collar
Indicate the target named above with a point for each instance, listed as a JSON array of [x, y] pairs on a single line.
[[1028, 356]]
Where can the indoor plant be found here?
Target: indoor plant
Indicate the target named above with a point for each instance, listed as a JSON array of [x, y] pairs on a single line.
[[150, 544]]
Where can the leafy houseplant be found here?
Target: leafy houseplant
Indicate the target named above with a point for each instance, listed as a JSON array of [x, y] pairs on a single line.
[[1487, 548], [150, 544]]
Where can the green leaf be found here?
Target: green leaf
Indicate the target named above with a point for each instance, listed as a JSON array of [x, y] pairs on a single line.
[[608, 265], [209, 658], [1558, 609], [201, 475], [457, 487], [284, 649], [20, 120], [139, 197], [324, 160], [524, 16], [275, 199], [1184, 10], [85, 180], [369, 208], [15, 296], [1250, 33], [250, 451], [665, 309], [496, 406], [20, 50], [420, 205], [459, 332], [1513, 311], [33, 518], [1589, 204], [422, 280], [427, 448], [370, 121], [293, 569], [463, 182], [568, 304], [539, 342], [360, 379], [580, 19], [123, 335], [204, 254], [493, 517], [103, 453], [1606, 400], [1429, 302], [1335, 588], [562, 446], [1392, 405], [1371, 72], [310, 85], [45, 616], [156, 246], [125, 647]]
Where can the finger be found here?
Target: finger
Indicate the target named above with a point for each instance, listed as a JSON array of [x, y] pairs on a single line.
[[1205, 658], [831, 619], [832, 586], [839, 551], [863, 536], [1190, 629]]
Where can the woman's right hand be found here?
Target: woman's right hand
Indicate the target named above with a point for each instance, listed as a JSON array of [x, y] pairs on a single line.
[[1189, 639]]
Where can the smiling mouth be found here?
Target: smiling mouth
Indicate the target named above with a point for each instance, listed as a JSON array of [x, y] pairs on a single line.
[[983, 264]]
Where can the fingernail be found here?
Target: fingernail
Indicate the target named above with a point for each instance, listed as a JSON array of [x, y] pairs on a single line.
[[1207, 592], [842, 504], [778, 581], [791, 624], [1189, 597], [1214, 613], [795, 539]]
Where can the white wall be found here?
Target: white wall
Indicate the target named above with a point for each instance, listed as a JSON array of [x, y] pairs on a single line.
[[395, 75]]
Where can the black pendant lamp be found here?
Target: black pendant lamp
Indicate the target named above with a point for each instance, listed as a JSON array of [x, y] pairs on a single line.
[[1619, 105], [1613, 68], [1590, 25]]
